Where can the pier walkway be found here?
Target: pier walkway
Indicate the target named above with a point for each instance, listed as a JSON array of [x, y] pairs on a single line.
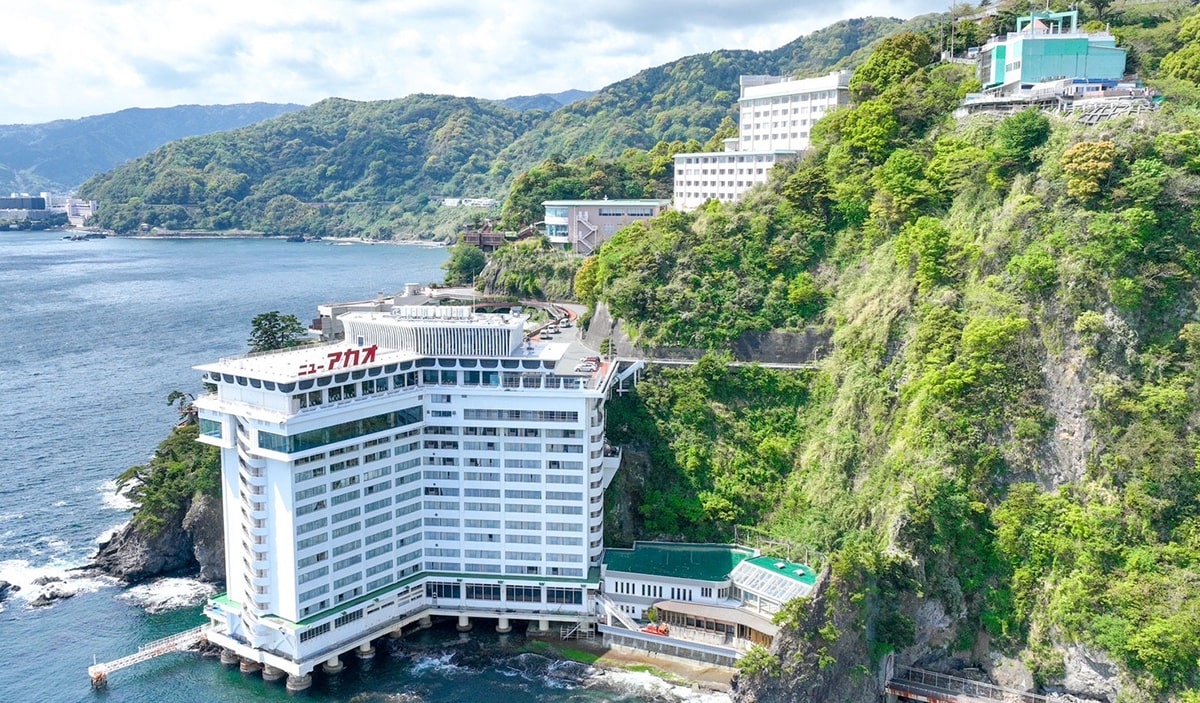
[[908, 683], [175, 643]]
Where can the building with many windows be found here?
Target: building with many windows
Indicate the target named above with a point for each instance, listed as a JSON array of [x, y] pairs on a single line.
[[1048, 46], [775, 116], [583, 225], [431, 463], [777, 113]]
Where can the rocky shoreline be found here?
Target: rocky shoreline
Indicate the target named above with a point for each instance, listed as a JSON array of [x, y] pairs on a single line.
[[192, 542]]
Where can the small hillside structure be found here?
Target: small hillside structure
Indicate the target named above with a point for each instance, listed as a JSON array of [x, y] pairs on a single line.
[[583, 225]]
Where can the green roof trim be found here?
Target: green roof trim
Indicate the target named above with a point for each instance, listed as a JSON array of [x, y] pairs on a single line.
[[790, 569], [592, 581], [699, 562]]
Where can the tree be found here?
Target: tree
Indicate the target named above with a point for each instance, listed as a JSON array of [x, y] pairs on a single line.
[[728, 128], [464, 264], [273, 330], [185, 403], [897, 57], [1100, 6], [1087, 165]]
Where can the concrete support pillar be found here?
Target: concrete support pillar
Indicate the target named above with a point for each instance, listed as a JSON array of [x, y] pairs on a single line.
[[464, 623], [542, 629], [299, 683], [503, 627], [228, 656], [396, 634], [270, 673], [426, 622], [333, 665], [365, 651], [249, 666]]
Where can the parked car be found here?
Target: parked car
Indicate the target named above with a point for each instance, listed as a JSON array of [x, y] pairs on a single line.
[[591, 360], [586, 367]]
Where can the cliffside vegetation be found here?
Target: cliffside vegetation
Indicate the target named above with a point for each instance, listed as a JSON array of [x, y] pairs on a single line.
[[164, 487], [1006, 425]]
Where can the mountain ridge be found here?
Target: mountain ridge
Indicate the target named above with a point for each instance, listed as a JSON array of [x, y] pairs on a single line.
[[60, 155]]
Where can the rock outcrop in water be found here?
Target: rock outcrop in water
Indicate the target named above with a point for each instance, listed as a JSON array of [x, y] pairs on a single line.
[[190, 542]]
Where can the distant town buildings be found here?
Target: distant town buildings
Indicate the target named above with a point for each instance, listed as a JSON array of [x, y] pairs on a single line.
[[776, 116], [20, 207], [79, 211], [584, 225]]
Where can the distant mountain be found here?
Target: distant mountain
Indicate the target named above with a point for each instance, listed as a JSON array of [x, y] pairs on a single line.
[[60, 155], [546, 101], [337, 167], [377, 168]]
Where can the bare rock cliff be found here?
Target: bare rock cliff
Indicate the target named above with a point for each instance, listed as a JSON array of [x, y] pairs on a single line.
[[192, 542]]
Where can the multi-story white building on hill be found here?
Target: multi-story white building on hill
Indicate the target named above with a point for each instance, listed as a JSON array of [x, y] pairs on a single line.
[[776, 116], [432, 463], [778, 112]]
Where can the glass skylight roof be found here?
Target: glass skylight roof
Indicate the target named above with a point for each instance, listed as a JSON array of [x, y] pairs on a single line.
[[773, 578]]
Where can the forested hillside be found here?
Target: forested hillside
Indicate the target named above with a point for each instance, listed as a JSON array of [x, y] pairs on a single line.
[[1000, 453], [373, 169], [338, 167], [60, 155]]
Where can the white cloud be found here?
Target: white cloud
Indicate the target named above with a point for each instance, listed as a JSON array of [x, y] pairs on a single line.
[[70, 58]]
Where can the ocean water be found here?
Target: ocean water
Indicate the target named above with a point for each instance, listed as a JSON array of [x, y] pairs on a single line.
[[95, 334]]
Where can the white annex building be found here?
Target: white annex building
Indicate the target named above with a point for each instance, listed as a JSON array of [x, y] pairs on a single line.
[[432, 463], [776, 116]]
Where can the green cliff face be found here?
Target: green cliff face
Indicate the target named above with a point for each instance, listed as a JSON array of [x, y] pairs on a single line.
[[1004, 433]]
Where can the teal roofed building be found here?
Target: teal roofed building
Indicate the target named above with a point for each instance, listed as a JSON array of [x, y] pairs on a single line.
[[722, 596], [1048, 46]]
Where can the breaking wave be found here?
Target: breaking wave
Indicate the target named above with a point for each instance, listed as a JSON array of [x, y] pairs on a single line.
[[168, 594]]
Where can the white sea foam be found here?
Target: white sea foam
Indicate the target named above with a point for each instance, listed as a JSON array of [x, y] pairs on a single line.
[[435, 663], [110, 532], [642, 682], [22, 576], [113, 499], [168, 594]]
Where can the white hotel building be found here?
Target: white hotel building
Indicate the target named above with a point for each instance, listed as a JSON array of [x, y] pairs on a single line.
[[434, 463], [776, 116]]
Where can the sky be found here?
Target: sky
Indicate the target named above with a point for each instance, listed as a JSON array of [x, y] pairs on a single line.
[[63, 59]]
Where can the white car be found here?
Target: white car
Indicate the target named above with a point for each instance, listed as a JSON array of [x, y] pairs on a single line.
[[586, 367]]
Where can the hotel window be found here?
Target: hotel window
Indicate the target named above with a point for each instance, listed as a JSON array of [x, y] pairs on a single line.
[[483, 592], [523, 594], [436, 589], [210, 428], [570, 596]]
